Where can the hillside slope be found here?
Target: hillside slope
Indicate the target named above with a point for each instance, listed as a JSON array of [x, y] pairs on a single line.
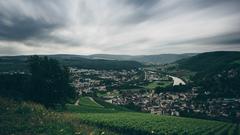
[[210, 61], [134, 123], [217, 72], [27, 118], [93, 117]]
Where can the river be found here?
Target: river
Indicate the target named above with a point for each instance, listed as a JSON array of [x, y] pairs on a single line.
[[177, 81]]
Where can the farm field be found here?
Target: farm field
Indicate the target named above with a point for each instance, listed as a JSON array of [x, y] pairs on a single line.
[[162, 84], [139, 123], [86, 105], [134, 123]]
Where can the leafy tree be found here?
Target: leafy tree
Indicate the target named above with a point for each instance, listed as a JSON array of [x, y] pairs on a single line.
[[50, 83]]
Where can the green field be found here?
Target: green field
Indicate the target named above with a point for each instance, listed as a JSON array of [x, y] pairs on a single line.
[[88, 106], [155, 84], [87, 101], [107, 94], [140, 123], [125, 121]]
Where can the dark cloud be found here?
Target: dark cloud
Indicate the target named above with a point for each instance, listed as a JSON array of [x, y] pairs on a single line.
[[142, 3], [160, 10], [224, 39], [221, 39], [143, 11], [22, 28], [126, 26], [21, 20]]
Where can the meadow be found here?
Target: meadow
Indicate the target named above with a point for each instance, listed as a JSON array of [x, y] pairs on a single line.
[[161, 84]]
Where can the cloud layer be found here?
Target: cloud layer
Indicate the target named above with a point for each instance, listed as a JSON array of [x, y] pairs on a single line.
[[118, 27]]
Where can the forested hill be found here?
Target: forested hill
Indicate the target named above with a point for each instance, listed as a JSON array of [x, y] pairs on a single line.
[[216, 72], [18, 63], [99, 63], [154, 59], [211, 61]]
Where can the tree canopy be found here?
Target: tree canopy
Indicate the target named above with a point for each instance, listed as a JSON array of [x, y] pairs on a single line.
[[50, 83], [47, 82]]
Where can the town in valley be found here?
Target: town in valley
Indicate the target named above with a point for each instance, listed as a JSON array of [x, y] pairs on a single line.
[[154, 89]]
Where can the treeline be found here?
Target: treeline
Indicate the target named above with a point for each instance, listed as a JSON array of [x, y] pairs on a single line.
[[101, 64], [13, 63], [47, 83], [176, 88], [18, 63]]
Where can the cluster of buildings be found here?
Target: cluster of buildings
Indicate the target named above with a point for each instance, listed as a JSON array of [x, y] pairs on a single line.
[[90, 80], [151, 76], [220, 107], [163, 104], [181, 104]]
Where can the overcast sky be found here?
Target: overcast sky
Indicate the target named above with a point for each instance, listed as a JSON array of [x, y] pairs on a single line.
[[118, 26]]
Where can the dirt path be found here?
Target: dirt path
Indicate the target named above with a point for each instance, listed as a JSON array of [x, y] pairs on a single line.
[[95, 101], [77, 102]]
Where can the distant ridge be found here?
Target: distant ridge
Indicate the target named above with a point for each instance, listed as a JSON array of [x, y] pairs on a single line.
[[212, 61], [18, 63], [156, 59]]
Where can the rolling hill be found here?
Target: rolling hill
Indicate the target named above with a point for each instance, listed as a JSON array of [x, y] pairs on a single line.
[[217, 72], [96, 61], [210, 61], [18, 63], [155, 59]]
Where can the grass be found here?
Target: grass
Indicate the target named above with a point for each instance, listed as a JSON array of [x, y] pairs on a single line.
[[155, 84], [86, 101], [107, 94], [140, 123], [29, 118], [111, 106], [26, 118], [88, 106]]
